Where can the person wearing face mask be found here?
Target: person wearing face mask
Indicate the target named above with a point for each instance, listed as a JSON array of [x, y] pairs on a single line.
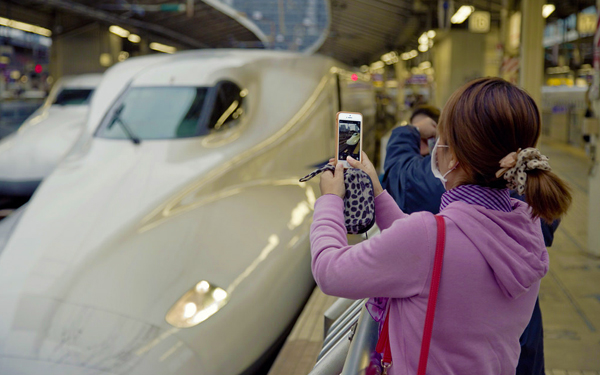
[[494, 250], [407, 168], [416, 184]]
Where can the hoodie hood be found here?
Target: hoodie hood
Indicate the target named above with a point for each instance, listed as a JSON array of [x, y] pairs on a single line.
[[511, 242]]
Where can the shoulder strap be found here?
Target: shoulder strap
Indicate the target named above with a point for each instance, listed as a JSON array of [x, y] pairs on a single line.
[[326, 167], [433, 292], [383, 344]]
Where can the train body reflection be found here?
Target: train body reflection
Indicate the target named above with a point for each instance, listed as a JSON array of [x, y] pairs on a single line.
[[173, 239]]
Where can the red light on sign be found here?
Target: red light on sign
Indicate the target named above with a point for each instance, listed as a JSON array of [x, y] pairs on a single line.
[[38, 68], [354, 77]]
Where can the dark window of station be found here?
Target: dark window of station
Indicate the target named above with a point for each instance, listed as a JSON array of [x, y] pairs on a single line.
[[228, 105], [156, 113], [73, 97]]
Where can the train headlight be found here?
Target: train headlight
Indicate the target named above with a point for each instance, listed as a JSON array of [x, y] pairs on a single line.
[[197, 305]]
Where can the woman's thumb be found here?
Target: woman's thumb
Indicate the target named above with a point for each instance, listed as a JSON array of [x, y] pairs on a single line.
[[353, 162]]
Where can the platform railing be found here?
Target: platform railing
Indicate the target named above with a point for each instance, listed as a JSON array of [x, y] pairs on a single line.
[[349, 345], [341, 326], [350, 335], [339, 307], [361, 353]]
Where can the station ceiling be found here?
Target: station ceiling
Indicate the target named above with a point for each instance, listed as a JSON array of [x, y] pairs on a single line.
[[360, 30], [207, 28]]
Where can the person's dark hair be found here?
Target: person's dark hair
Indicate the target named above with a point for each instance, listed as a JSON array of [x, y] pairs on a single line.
[[484, 121], [427, 110]]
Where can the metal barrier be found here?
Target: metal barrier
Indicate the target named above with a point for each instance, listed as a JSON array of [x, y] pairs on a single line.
[[350, 336], [334, 312], [350, 314], [337, 342], [361, 354], [333, 362], [340, 331], [349, 346]]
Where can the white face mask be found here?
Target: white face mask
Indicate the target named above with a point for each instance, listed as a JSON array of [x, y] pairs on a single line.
[[434, 165]]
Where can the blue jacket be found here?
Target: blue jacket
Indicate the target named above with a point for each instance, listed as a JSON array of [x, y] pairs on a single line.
[[407, 175]]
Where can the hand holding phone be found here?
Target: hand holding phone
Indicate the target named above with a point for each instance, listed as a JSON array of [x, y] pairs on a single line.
[[348, 137]]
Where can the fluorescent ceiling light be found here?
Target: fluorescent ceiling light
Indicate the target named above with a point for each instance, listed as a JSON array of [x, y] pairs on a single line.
[[547, 10], [409, 55], [425, 65], [162, 48], [25, 27], [377, 65], [119, 31], [134, 38], [462, 14]]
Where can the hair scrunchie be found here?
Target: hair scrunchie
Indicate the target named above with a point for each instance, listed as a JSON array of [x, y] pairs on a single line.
[[515, 165]]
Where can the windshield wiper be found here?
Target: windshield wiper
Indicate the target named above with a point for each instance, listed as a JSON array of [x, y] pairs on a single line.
[[117, 118]]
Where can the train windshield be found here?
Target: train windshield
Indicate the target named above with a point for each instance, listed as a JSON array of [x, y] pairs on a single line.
[[156, 113], [73, 97]]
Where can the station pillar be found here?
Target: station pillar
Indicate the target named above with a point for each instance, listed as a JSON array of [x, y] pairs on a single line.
[[401, 74], [459, 58], [531, 76], [594, 210], [89, 49]]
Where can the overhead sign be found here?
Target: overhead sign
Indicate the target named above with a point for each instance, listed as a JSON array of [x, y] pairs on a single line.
[[417, 79], [586, 23], [479, 22]]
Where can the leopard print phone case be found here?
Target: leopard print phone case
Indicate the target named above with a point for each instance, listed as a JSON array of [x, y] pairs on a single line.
[[359, 201]]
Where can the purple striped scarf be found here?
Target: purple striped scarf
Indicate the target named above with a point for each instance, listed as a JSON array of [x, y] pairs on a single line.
[[492, 199]]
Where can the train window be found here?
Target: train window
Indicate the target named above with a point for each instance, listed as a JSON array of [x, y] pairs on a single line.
[[156, 113], [73, 97], [228, 105]]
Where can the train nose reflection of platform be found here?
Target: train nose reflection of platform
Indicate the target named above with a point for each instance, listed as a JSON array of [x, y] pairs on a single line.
[[569, 294]]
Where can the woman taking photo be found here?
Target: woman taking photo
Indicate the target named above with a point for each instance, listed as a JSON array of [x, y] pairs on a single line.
[[494, 254]]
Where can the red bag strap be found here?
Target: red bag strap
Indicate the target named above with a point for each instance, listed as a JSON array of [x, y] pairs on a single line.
[[383, 344], [433, 292]]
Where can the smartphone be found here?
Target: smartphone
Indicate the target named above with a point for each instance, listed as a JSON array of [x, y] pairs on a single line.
[[349, 136]]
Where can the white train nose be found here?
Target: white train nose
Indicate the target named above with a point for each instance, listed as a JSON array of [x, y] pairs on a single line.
[[34, 151], [49, 337]]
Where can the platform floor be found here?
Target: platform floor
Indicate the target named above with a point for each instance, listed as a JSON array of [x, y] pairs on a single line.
[[300, 351], [569, 295]]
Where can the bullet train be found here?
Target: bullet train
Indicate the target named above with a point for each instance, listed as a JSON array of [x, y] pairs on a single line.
[[173, 239], [32, 152]]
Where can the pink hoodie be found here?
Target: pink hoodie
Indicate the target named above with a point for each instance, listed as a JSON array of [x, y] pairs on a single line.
[[490, 280]]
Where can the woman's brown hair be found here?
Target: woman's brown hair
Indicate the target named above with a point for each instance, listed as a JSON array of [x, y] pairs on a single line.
[[484, 121]]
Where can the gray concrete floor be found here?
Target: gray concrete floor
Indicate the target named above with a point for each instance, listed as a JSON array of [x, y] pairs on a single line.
[[570, 293]]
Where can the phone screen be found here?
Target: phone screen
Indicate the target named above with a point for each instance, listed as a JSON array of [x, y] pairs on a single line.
[[349, 139]]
